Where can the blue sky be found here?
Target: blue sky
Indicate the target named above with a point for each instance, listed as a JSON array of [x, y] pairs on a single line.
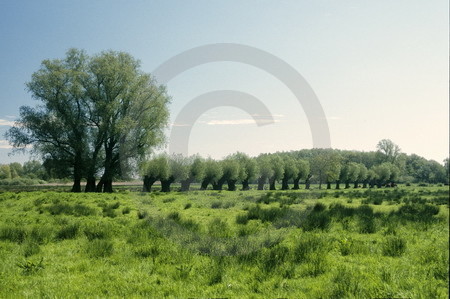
[[379, 68]]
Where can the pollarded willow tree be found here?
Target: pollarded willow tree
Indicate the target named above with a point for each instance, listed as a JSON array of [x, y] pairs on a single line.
[[96, 115]]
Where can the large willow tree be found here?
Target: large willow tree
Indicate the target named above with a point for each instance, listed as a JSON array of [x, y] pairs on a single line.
[[96, 115]]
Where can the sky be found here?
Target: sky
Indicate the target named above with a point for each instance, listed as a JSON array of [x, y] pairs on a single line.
[[378, 68]]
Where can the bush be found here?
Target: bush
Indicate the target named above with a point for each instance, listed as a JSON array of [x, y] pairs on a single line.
[[68, 231], [99, 248], [96, 230], [216, 205], [317, 220], [30, 248], [12, 233], [418, 212], [41, 234], [242, 219], [366, 219], [306, 245], [394, 246], [274, 257]]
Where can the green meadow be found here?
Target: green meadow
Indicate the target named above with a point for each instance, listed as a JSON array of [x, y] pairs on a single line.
[[358, 243]]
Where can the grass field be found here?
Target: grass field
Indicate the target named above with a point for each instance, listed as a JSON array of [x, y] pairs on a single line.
[[299, 244]]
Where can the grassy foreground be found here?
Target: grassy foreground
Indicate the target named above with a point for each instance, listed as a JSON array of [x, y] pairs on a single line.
[[296, 244]]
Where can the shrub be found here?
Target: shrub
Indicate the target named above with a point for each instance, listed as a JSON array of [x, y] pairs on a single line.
[[274, 257], [83, 210], [366, 219], [394, 246], [30, 267], [418, 212], [216, 205], [30, 248], [68, 231], [306, 245], [317, 220], [345, 284], [142, 214], [218, 228], [98, 248], [41, 234], [242, 219], [96, 230], [12, 233]]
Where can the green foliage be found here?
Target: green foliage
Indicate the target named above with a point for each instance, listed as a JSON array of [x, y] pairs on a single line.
[[205, 252], [394, 246], [99, 248], [12, 233]]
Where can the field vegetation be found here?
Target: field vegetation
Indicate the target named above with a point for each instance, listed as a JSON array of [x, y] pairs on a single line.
[[363, 243]]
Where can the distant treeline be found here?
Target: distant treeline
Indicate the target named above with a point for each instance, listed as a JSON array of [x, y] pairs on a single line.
[[335, 168]]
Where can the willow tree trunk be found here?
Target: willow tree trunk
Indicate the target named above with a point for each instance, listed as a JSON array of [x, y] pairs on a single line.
[[165, 185], [148, 183], [77, 173], [245, 185], [185, 185], [272, 185], [204, 184], [231, 185], [296, 184], [328, 185], [338, 185], [284, 184], [261, 182]]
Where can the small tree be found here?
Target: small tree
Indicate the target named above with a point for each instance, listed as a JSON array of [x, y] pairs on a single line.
[[290, 171], [213, 172], [265, 170], [277, 165], [248, 169], [153, 170], [178, 170], [196, 172], [303, 172]]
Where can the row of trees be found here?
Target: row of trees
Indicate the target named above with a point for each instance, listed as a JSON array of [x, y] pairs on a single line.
[[97, 117], [346, 169], [30, 170]]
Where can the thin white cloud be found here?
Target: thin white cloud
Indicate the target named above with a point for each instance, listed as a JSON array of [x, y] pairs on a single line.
[[233, 122], [180, 125], [4, 122], [4, 144]]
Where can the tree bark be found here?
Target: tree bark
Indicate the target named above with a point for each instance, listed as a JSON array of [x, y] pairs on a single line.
[[185, 185], [77, 173], [245, 185], [328, 185], [347, 184], [296, 184], [284, 184], [217, 186], [338, 185], [231, 185], [148, 183], [204, 185], [165, 185], [90, 185], [261, 182], [355, 185], [272, 185]]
